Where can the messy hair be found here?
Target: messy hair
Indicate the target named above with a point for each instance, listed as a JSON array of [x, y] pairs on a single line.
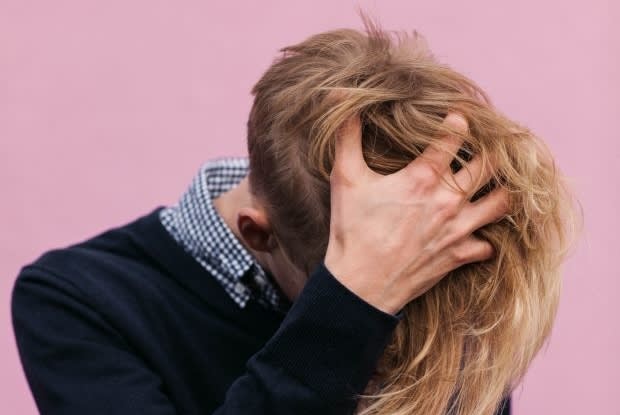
[[463, 345]]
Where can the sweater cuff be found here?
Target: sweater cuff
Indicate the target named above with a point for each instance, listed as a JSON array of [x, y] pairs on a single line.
[[331, 339]]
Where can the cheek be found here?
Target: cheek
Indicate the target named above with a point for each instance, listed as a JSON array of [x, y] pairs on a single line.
[[290, 279]]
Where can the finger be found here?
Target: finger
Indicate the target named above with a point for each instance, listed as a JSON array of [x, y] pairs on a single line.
[[471, 250], [441, 151], [349, 158], [490, 208], [467, 177]]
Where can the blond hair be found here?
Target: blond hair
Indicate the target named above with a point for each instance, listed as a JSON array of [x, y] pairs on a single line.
[[462, 346]]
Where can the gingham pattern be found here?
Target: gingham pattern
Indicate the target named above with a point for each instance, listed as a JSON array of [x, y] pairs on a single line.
[[195, 224]]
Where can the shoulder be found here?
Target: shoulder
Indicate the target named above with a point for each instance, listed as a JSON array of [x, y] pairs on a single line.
[[111, 264]]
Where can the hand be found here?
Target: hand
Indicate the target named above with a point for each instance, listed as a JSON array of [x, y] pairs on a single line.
[[394, 237]]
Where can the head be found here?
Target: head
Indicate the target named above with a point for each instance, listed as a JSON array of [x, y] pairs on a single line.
[[464, 344]]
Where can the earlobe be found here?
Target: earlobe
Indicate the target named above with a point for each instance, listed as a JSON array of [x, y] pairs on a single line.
[[255, 229]]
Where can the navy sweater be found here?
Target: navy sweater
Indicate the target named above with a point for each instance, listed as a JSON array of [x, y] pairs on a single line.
[[129, 323]]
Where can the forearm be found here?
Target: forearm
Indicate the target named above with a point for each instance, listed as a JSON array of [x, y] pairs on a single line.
[[319, 360]]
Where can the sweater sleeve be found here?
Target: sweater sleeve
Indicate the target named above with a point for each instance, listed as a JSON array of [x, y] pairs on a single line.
[[322, 355]]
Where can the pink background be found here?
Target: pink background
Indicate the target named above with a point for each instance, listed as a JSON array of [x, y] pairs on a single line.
[[107, 108]]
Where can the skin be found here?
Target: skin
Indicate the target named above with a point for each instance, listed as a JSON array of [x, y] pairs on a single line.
[[387, 250], [246, 217]]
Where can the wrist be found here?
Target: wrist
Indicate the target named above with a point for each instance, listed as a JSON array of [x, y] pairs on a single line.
[[360, 283]]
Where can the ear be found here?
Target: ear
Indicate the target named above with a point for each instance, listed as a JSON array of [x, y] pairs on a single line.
[[255, 229]]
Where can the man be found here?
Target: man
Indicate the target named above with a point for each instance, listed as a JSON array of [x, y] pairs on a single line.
[[211, 306]]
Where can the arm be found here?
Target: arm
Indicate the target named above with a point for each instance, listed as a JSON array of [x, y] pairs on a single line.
[[76, 363], [322, 356]]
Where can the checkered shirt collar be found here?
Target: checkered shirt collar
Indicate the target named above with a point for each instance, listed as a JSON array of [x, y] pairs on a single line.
[[195, 224]]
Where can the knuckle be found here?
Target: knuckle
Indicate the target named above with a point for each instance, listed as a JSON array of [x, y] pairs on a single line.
[[460, 254], [500, 204], [425, 175], [488, 250], [338, 178], [450, 205], [504, 201], [472, 250], [447, 210], [334, 177], [457, 122]]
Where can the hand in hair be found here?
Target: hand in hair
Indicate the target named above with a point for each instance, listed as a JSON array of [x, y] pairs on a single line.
[[394, 237]]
